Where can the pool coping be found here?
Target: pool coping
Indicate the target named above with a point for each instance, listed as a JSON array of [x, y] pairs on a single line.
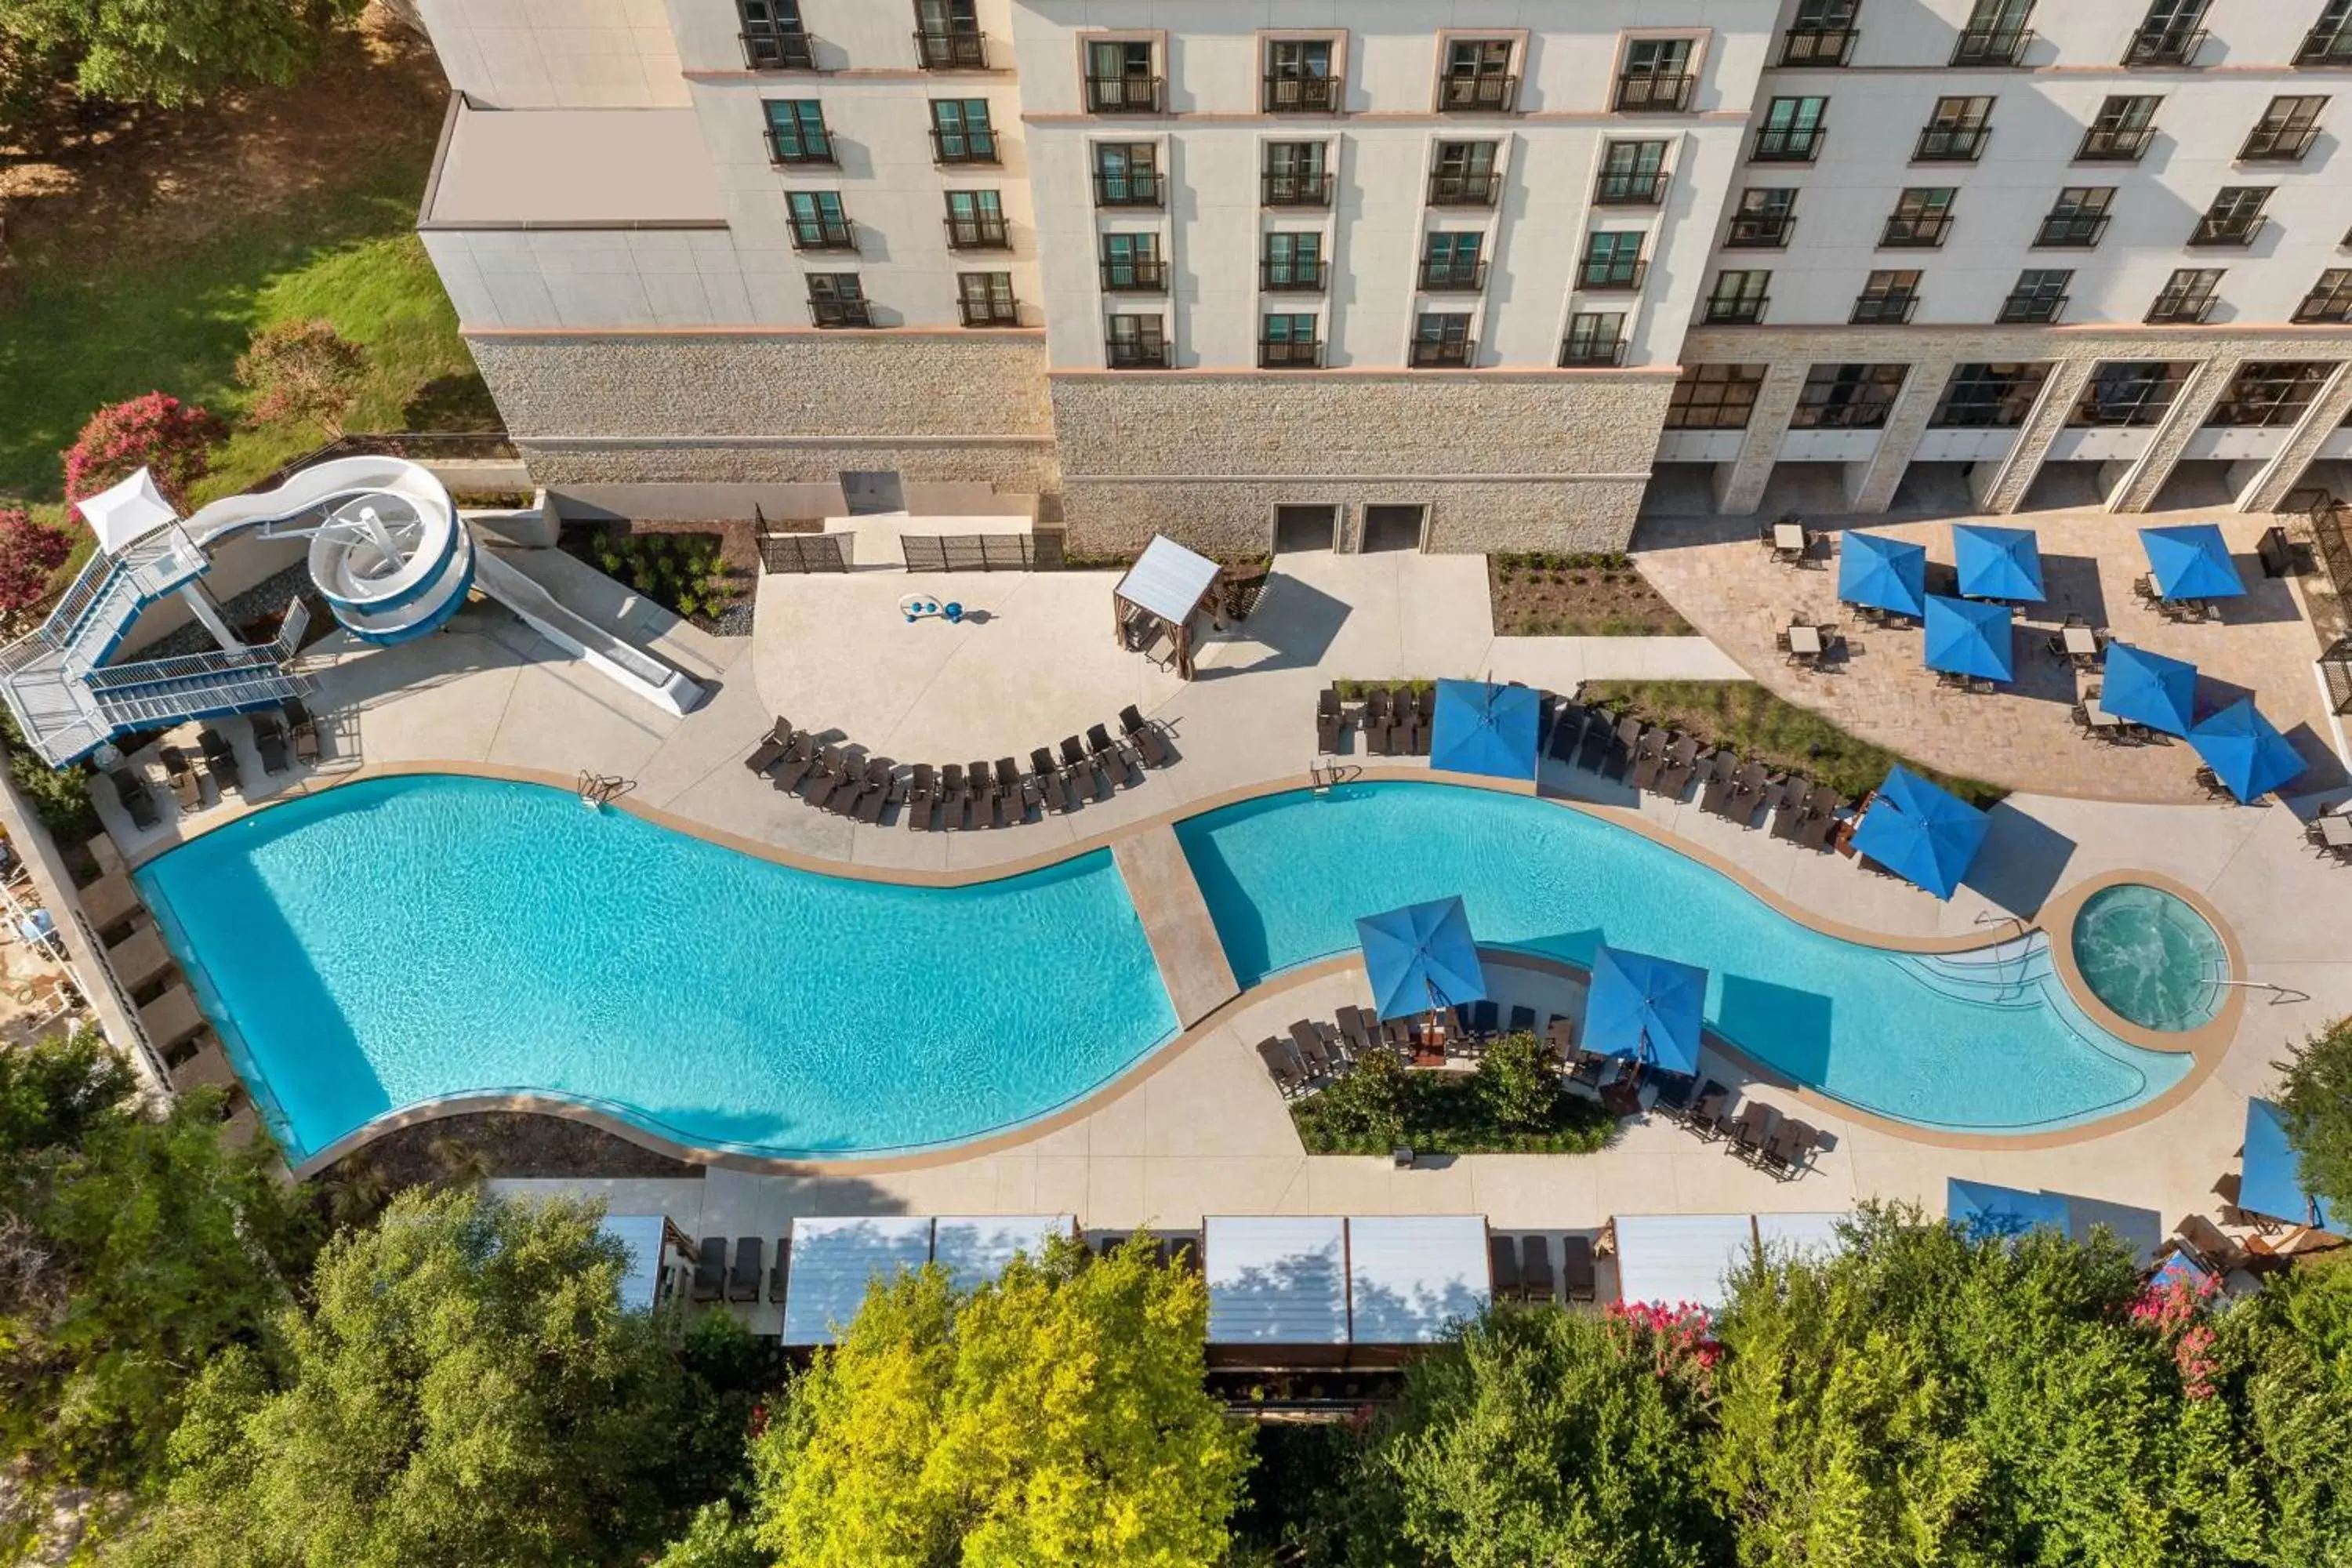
[[2206, 1046]]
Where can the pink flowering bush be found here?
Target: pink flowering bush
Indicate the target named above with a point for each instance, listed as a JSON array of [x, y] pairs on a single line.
[[30, 556], [156, 431], [1678, 1340], [2175, 1311]]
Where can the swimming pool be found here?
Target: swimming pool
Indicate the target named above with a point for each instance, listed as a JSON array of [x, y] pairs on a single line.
[[1979, 1042], [403, 939], [2150, 957]]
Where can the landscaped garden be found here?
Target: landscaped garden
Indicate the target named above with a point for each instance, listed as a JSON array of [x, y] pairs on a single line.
[[1592, 594], [1512, 1102]]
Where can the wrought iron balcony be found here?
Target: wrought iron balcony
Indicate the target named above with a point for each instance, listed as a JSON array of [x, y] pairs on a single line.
[[801, 149], [1951, 143], [1619, 189], [978, 234], [2031, 309], [2323, 305], [1137, 275], [841, 313], [952, 52], [823, 234], [1787, 146], [1760, 231], [2079, 232], [2164, 47], [1301, 95], [1922, 233], [2279, 144], [1818, 45], [1643, 93], [1464, 190], [777, 49], [1452, 277], [1126, 94], [1129, 190], [1992, 46], [2231, 229], [1611, 276], [1289, 354], [1737, 312], [963, 146], [1441, 354], [989, 313], [2115, 146], [2326, 45], [1885, 309], [1136, 355], [1488, 93], [1298, 190], [1593, 352], [2180, 312], [1293, 277]]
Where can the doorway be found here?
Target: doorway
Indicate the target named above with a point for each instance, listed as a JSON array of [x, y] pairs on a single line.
[[1393, 527], [867, 492], [1298, 528]]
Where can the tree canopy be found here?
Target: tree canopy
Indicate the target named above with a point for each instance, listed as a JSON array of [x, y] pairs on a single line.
[[172, 52], [2315, 1105]]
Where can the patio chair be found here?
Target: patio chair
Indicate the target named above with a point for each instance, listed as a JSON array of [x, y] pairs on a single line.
[[1674, 1096], [2144, 590], [710, 1268], [1523, 1021], [1567, 730], [1282, 1063], [2206, 1243], [1424, 702], [874, 799], [1503, 1268], [1359, 1028], [923, 798], [1820, 827], [798, 761], [1600, 734], [131, 791], [772, 747], [1535, 1267], [1008, 777], [1650, 761], [1308, 1040], [1576, 1270], [1326, 703], [1783, 1154], [270, 742], [1722, 770], [744, 1279], [2211, 783], [1796, 791], [1098, 742], [1377, 740], [780, 1272], [1048, 779], [220, 760], [186, 790], [979, 795], [1682, 763], [1147, 738], [1752, 1129], [305, 731], [1417, 738], [1326, 734], [1375, 710], [1705, 1117]]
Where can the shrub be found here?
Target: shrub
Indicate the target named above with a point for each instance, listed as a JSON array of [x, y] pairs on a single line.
[[30, 556], [302, 372], [2315, 1104], [1516, 1084], [1367, 1106], [156, 431]]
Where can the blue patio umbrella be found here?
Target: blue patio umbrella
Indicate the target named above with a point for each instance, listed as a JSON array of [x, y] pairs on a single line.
[[2246, 752], [2272, 1183], [1998, 562], [1971, 639], [1983, 1209], [1923, 833], [2191, 562], [1421, 957], [1643, 1008], [2149, 688], [1883, 573], [1484, 729], [2179, 1269]]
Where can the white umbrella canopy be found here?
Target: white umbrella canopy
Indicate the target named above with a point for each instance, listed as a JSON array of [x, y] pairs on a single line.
[[122, 514]]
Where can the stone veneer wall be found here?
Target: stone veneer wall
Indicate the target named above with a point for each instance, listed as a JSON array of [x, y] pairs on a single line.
[[1502, 459]]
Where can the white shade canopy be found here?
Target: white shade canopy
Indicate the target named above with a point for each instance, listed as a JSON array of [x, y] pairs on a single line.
[[975, 1248], [1167, 579], [1409, 1276], [640, 1234], [122, 514], [834, 1260], [1669, 1259], [1276, 1280]]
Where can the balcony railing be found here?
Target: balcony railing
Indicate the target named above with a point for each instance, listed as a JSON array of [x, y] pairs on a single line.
[[823, 234], [1612, 278], [1464, 190], [1992, 46], [2078, 233], [2281, 145], [2180, 312], [1139, 275], [1615, 189], [1595, 352], [841, 313], [2115, 146], [1293, 277], [963, 146], [1755, 231], [989, 313], [1741, 312], [777, 49], [1885, 309], [1951, 145], [1301, 95], [1129, 190], [1818, 45], [978, 234], [1298, 190], [1136, 355], [952, 51], [1489, 93], [2326, 45], [1788, 146], [1651, 94], [800, 150], [1444, 354], [2228, 231], [2164, 47], [1452, 277], [2327, 307], [1916, 233], [2024, 310], [1125, 94], [1288, 355]]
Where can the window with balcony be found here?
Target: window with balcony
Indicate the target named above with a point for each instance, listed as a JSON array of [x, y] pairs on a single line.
[[1292, 264], [1612, 260], [1450, 263], [2078, 220], [1822, 35], [1633, 175], [1440, 340], [1464, 175], [2268, 397], [1791, 131], [818, 222], [2285, 132], [2120, 133], [773, 37], [1127, 174], [1922, 218], [2129, 395], [1131, 264], [1299, 78], [1888, 299], [2329, 42], [796, 133], [1740, 299], [1478, 77], [1996, 33], [1955, 132], [1297, 174], [1656, 77], [1989, 396], [976, 221], [2037, 298], [1714, 396], [1136, 342], [2170, 34], [961, 132], [2234, 218], [837, 300], [1763, 220], [986, 300], [2330, 299], [1594, 338], [1288, 343], [1122, 78], [1848, 396], [948, 36], [2187, 298]]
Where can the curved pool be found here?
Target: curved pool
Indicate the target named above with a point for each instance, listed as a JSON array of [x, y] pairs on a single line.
[[1986, 1042], [2149, 956], [403, 939]]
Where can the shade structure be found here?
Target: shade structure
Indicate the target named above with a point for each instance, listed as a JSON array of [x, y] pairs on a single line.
[[1883, 573], [1421, 957], [1276, 1280], [2191, 561], [640, 1237], [1971, 639], [2246, 752], [1646, 1008], [1168, 580], [834, 1260], [2149, 688], [126, 511], [1922, 833], [975, 1248], [1411, 1277], [1998, 562], [1484, 729], [1981, 1209], [2272, 1183]]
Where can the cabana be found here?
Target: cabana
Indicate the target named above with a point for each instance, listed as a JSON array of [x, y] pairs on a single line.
[[644, 1239], [1646, 1008], [975, 1248], [2246, 754], [1883, 573], [1686, 1259], [1277, 1290], [834, 1260], [1984, 1209], [1420, 958], [1484, 729], [1411, 1276], [1967, 638], [2271, 1184], [2191, 561], [1998, 562], [2143, 687], [1168, 584], [1923, 833]]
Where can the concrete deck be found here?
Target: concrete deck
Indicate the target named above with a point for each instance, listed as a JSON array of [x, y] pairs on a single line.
[[1176, 922]]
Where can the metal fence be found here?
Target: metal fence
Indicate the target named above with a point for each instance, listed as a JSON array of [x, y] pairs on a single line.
[[801, 553], [981, 551]]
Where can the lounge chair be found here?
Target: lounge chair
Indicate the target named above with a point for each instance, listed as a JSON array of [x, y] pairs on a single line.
[[1417, 738], [1792, 1145], [710, 1268], [1576, 1267], [1326, 734], [220, 760], [130, 790], [1823, 824], [1282, 1063], [1706, 1114], [874, 798], [1098, 742], [1377, 740], [1795, 794], [1147, 738], [1048, 780], [1326, 703], [1747, 795], [1523, 1021], [799, 758], [979, 796], [1751, 1130], [1358, 1029], [2208, 1244], [1009, 780], [744, 1281], [305, 732], [1374, 713], [770, 750], [1682, 762], [780, 1272], [270, 742], [1674, 1096], [1722, 770], [1309, 1042], [1424, 702], [186, 790], [1650, 761], [1600, 734], [1503, 1268], [1535, 1267], [1567, 730]]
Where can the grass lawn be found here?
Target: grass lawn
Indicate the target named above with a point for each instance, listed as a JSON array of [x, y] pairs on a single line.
[[1744, 714]]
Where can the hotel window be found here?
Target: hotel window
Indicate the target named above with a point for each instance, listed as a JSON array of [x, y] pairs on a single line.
[[1848, 396], [1299, 77], [1121, 77], [1478, 76], [2171, 34], [1127, 174], [1450, 263], [976, 221], [2263, 396], [1613, 259], [1989, 396], [837, 300], [2186, 297], [961, 132], [948, 36], [1996, 33], [1955, 132], [1633, 174], [1292, 263], [1297, 175], [1791, 131], [2234, 218], [1442, 339], [1131, 262], [2038, 299], [986, 298], [1764, 219], [1888, 299], [1714, 397], [796, 133], [1136, 343], [1922, 218], [2329, 42], [2077, 218], [2285, 132], [1822, 34], [1464, 175], [773, 38], [2125, 126], [1288, 341], [1594, 338], [2130, 394], [2330, 299], [818, 222], [1740, 299], [1657, 77]]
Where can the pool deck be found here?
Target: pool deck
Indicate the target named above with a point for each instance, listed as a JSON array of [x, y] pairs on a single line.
[[1177, 923]]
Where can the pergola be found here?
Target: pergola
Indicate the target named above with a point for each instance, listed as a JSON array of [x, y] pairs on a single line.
[[2336, 667], [1168, 584]]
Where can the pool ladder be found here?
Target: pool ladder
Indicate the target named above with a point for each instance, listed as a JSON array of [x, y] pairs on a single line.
[[601, 789]]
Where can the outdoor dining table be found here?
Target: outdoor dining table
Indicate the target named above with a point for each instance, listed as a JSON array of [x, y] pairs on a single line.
[[2099, 717], [1789, 538], [2080, 642], [1805, 640]]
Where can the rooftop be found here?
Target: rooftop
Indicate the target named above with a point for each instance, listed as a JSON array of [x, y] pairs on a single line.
[[582, 168]]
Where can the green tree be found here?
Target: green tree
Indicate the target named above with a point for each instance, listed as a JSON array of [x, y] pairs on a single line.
[[54, 1091], [302, 372], [1367, 1105], [2287, 1358], [717, 1537], [173, 52], [2315, 1105], [1055, 1415], [1517, 1084]]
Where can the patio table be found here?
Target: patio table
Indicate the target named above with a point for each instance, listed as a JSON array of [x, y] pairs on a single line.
[[2335, 831], [2099, 717], [2081, 642], [1789, 538], [1805, 640]]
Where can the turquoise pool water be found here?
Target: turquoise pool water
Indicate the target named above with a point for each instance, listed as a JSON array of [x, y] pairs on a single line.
[[2151, 957], [402, 939], [1985, 1042]]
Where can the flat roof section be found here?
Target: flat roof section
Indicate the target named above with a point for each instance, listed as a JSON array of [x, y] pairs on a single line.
[[834, 1260], [584, 167], [1276, 1280], [1409, 1277]]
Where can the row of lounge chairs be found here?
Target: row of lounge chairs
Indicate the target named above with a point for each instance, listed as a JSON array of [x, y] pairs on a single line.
[[1393, 722], [273, 734], [1757, 1134], [714, 1280], [1520, 1270]]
